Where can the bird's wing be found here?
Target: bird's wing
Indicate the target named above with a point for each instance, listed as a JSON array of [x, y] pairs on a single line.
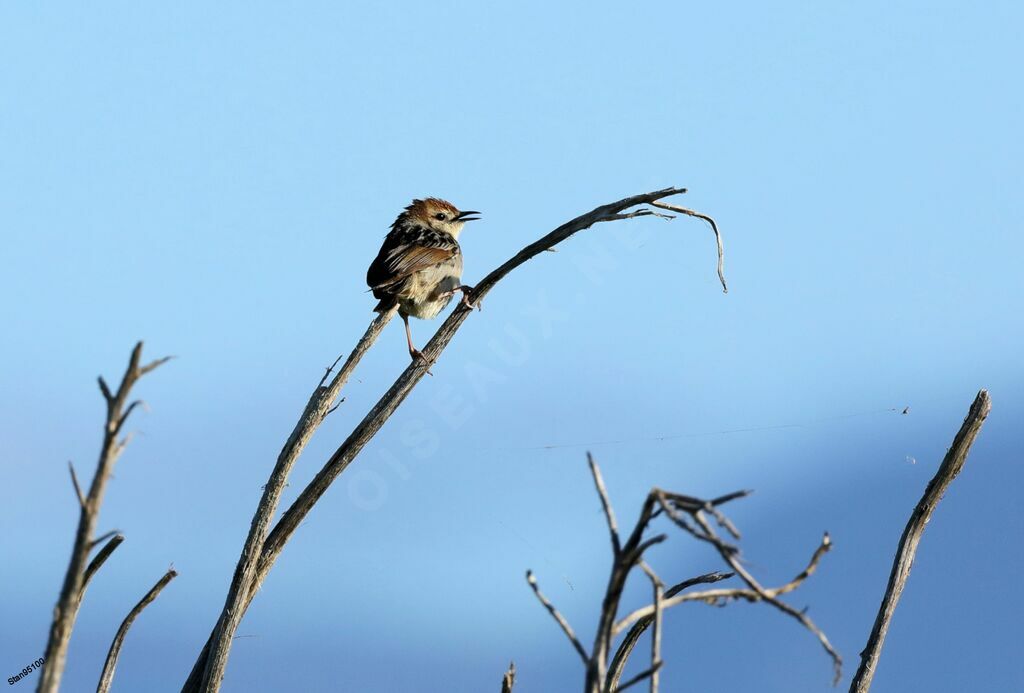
[[399, 262]]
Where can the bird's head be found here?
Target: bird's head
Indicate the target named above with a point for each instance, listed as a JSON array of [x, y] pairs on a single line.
[[439, 215]]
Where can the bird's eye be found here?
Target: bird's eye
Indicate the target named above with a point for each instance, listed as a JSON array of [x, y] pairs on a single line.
[[439, 216]]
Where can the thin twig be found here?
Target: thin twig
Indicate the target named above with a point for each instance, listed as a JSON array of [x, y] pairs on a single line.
[[102, 538], [671, 599], [824, 547], [152, 365], [714, 227], [732, 559], [638, 678], [699, 580], [609, 514], [951, 465], [509, 679], [658, 588], [566, 628], [74, 482], [641, 620], [99, 559], [107, 676]]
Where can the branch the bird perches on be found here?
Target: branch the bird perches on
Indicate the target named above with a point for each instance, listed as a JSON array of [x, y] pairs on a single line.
[[263, 545]]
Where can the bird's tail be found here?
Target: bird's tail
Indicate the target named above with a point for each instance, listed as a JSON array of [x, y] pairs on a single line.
[[385, 304]]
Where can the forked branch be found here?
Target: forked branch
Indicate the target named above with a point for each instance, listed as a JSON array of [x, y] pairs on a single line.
[[690, 514], [255, 563], [80, 571], [320, 404]]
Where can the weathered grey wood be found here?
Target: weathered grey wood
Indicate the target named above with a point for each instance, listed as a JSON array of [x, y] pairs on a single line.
[[509, 679], [79, 570], [319, 406], [107, 675], [206, 674], [618, 663], [603, 673], [951, 465]]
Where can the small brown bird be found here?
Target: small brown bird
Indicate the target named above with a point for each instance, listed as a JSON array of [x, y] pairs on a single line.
[[419, 266]]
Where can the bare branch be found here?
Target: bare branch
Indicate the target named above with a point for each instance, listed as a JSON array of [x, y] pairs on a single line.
[[74, 482], [330, 369], [245, 580], [622, 564], [824, 547], [127, 412], [673, 514], [642, 619], [714, 227], [606, 505], [248, 580], [673, 505], [804, 619], [79, 571], [566, 628], [107, 676], [99, 559], [509, 679], [659, 589], [153, 365], [638, 678], [735, 495], [732, 559], [634, 556], [951, 465], [103, 537], [699, 580], [671, 600], [105, 390]]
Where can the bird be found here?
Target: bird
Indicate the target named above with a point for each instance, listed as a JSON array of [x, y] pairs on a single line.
[[419, 266]]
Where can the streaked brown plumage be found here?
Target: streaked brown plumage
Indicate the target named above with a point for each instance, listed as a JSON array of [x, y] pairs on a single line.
[[419, 266]]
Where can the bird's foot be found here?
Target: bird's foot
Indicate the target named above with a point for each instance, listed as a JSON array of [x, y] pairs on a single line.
[[465, 289], [417, 355]]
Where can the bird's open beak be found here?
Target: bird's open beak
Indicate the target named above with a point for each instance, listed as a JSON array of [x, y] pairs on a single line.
[[465, 216]]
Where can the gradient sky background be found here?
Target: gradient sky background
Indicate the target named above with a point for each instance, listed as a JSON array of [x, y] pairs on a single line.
[[216, 179]]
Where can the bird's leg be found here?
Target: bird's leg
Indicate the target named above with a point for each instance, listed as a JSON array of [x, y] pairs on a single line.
[[414, 353], [465, 289]]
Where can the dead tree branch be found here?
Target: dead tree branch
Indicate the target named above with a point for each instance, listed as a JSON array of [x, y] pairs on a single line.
[[629, 641], [673, 504], [559, 618], [509, 679], [659, 593], [66, 610], [100, 558], [207, 673], [320, 404], [604, 678], [714, 227], [951, 465], [107, 676]]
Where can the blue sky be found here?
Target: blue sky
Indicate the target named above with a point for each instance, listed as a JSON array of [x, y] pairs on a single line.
[[216, 179]]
